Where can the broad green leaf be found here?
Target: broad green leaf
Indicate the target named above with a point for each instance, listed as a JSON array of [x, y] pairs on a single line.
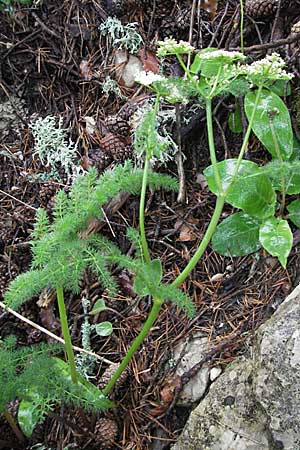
[[294, 212], [209, 60], [287, 172], [28, 413], [238, 235], [104, 328], [207, 67], [98, 307], [149, 275], [235, 120], [139, 286], [155, 271], [252, 191], [271, 110], [296, 150], [281, 88], [175, 89], [237, 87], [276, 237], [91, 391]]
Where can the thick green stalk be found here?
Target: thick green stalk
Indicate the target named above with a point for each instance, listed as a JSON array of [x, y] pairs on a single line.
[[283, 178], [246, 139], [222, 196], [157, 303], [148, 156], [211, 144], [66, 333], [142, 212], [204, 243]]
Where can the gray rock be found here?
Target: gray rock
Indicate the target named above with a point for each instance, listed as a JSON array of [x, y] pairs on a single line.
[[190, 353], [255, 403]]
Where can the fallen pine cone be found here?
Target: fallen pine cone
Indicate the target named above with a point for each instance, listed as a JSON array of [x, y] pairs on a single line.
[[108, 373], [258, 9], [106, 433]]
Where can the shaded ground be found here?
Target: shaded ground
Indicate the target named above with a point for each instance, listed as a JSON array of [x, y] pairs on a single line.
[[54, 61]]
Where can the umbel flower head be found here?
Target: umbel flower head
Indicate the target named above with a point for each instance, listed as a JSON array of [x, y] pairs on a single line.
[[269, 68], [172, 47], [147, 78]]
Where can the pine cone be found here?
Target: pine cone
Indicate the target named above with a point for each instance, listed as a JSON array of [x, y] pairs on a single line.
[[258, 9], [114, 7], [127, 153], [47, 193], [183, 18], [117, 125], [108, 373], [6, 275], [168, 27], [106, 431], [162, 8], [99, 159], [113, 144]]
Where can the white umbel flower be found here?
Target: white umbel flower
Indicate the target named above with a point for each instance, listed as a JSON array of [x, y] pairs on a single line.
[[229, 56], [172, 47], [268, 68], [147, 78]]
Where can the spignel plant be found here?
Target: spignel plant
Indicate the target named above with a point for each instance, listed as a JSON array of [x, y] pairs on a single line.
[[62, 251]]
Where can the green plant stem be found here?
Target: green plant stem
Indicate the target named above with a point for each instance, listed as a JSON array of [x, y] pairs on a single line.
[[157, 303], [242, 24], [12, 423], [66, 333], [184, 67], [279, 156], [211, 144], [149, 145], [222, 196], [144, 243], [246, 139], [204, 243]]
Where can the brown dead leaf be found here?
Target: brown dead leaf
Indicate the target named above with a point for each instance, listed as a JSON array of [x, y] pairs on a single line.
[[149, 60], [187, 232], [167, 395]]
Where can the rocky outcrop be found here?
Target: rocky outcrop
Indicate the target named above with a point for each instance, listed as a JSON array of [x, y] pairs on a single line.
[[255, 404]]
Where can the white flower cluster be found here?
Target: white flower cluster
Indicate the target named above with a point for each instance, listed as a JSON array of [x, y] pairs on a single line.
[[52, 147], [172, 47], [224, 54], [147, 78], [269, 68]]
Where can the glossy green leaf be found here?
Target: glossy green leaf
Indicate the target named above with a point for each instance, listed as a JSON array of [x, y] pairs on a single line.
[[276, 237], [252, 191], [296, 150], [271, 110], [237, 235], [281, 88], [287, 172], [98, 307], [90, 390], [149, 276], [209, 66], [28, 413], [104, 328], [294, 212], [235, 120]]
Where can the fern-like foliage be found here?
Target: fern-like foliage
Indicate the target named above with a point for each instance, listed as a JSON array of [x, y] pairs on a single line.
[[32, 374], [60, 256]]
